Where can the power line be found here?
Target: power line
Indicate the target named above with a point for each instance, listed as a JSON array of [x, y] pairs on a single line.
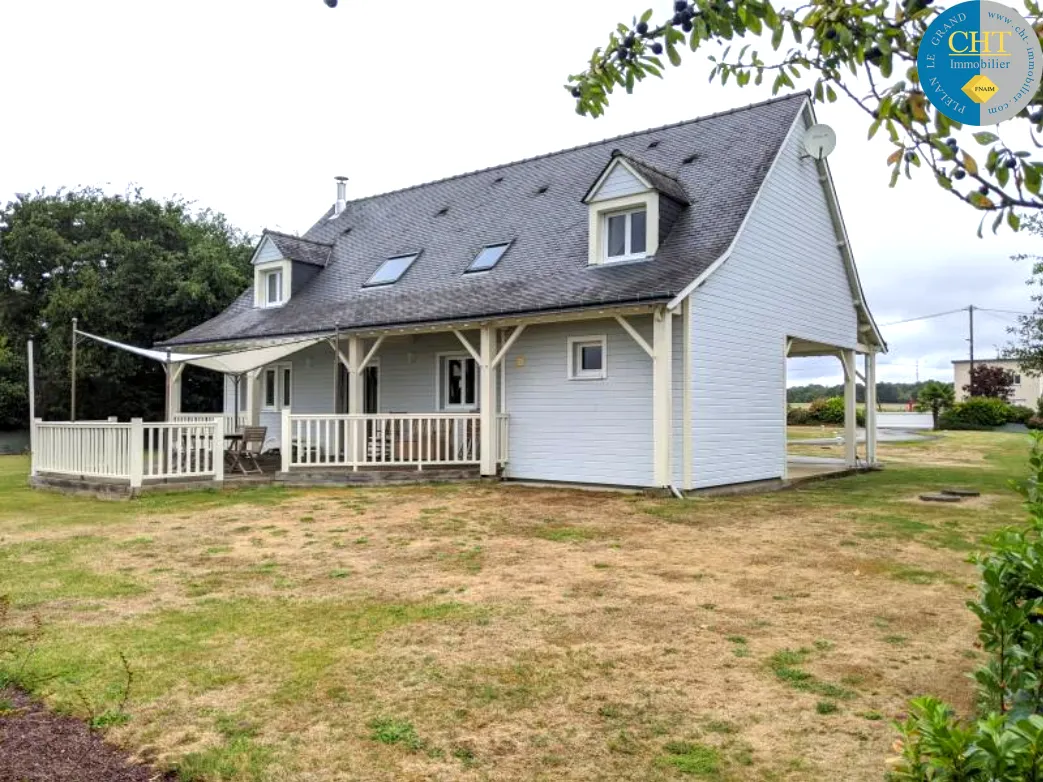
[[1005, 312], [924, 317]]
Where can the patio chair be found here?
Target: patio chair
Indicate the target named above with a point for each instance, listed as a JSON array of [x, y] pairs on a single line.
[[246, 450]]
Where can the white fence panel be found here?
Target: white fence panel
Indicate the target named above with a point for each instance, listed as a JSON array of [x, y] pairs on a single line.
[[383, 440], [208, 418], [181, 450], [95, 449]]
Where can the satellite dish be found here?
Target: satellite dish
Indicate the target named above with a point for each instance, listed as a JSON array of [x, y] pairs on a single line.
[[819, 141]]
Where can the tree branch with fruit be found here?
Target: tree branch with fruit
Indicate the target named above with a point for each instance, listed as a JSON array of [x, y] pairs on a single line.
[[864, 51]]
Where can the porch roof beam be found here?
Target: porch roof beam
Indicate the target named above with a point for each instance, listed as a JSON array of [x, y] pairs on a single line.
[[372, 352], [637, 337], [508, 344], [470, 348], [340, 356]]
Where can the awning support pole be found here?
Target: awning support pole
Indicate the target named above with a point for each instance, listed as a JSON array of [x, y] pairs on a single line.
[[72, 400]]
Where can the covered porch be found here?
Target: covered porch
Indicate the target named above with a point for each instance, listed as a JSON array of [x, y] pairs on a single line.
[[859, 448]]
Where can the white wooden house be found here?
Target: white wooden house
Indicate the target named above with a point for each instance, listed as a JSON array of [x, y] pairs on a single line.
[[619, 313]]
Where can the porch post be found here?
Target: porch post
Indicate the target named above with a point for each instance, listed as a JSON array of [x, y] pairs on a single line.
[[253, 396], [137, 452], [847, 358], [871, 407], [217, 449], [32, 410], [356, 403], [662, 395], [487, 402]]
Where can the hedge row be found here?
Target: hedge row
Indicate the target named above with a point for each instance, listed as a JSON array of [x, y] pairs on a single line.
[[982, 412], [822, 411]]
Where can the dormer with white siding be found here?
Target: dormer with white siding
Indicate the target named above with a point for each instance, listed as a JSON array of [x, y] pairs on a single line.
[[283, 265], [627, 198]]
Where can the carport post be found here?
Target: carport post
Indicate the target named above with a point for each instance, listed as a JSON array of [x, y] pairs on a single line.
[[871, 407], [847, 358]]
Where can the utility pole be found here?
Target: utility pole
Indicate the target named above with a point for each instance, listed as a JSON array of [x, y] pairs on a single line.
[[970, 313]]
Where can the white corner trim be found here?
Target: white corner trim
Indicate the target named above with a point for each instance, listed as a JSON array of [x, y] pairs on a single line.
[[798, 121]]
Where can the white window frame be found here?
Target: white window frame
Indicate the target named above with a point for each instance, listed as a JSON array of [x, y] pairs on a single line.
[[629, 255], [261, 274], [598, 227], [576, 372], [280, 371], [442, 383]]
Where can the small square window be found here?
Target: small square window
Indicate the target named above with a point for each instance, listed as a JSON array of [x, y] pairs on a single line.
[[391, 270], [586, 358], [488, 257]]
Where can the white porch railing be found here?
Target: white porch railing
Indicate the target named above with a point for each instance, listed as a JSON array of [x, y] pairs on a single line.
[[181, 450], [382, 440], [132, 452], [227, 418], [98, 449]]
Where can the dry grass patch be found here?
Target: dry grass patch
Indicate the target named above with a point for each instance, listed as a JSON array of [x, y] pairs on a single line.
[[504, 632]]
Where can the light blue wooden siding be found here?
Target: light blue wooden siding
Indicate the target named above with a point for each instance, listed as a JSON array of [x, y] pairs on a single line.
[[267, 252], [785, 278], [583, 431], [408, 367], [619, 183]]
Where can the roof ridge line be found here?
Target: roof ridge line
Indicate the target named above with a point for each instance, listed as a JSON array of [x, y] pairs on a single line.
[[649, 166], [296, 237], [669, 126]]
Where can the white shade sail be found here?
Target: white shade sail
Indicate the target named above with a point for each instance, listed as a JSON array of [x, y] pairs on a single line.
[[232, 362]]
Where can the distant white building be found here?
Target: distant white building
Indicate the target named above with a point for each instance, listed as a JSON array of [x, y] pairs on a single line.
[[1027, 388]]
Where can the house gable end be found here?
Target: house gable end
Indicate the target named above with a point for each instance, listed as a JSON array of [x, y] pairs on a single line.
[[616, 181]]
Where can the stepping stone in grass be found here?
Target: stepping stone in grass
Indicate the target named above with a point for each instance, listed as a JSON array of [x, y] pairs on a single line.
[[962, 492], [939, 497]]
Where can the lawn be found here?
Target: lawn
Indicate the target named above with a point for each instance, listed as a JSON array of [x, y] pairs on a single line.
[[481, 632]]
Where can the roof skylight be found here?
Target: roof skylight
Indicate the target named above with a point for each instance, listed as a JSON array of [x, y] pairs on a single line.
[[488, 257], [391, 270]]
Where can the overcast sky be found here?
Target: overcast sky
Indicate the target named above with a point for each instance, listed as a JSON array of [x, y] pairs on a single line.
[[251, 107]]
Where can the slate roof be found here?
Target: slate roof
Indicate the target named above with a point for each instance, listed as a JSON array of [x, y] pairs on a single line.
[[297, 248], [664, 183], [537, 205]]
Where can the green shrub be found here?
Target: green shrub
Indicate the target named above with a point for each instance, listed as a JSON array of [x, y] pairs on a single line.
[[831, 412], [798, 416], [1019, 414], [827, 411], [978, 412], [1005, 742]]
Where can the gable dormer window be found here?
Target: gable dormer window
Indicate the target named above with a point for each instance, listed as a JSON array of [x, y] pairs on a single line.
[[626, 235], [272, 282]]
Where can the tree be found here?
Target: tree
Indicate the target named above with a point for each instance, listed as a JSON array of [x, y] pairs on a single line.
[[1027, 348], [994, 382], [863, 51], [936, 397], [130, 268]]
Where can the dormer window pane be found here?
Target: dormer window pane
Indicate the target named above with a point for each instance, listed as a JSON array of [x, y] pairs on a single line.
[[273, 288], [637, 232], [392, 269], [617, 236], [626, 235]]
